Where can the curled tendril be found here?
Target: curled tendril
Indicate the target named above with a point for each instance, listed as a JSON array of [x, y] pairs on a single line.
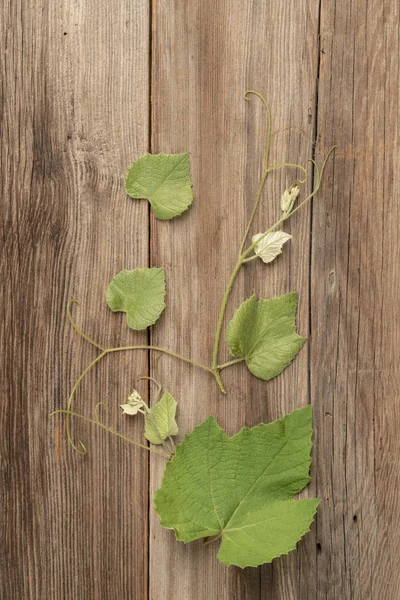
[[267, 108], [69, 404], [320, 173], [293, 166], [97, 421]]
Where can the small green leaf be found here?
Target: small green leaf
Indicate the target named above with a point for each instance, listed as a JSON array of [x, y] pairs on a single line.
[[140, 294], [164, 179], [160, 420], [263, 333], [241, 488]]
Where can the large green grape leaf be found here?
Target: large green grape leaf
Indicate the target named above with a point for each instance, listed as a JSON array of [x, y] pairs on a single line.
[[160, 420], [164, 179], [241, 488], [263, 333], [140, 294]]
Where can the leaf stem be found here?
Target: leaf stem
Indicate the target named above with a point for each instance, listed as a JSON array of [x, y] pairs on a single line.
[[230, 363]]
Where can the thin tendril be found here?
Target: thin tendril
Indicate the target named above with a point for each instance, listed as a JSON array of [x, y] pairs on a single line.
[[286, 216], [265, 169], [267, 108], [96, 412], [69, 403], [96, 421], [156, 371], [157, 383], [291, 165], [77, 329]]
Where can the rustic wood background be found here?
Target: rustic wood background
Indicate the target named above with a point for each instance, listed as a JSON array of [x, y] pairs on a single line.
[[86, 88]]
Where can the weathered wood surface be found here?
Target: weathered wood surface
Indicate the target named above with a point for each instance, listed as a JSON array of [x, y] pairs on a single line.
[[88, 87], [72, 120]]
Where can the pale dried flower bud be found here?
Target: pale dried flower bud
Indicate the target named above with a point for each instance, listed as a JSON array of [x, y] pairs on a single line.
[[133, 404], [288, 198]]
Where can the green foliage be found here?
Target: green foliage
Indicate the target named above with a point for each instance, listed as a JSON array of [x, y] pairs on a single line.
[[160, 421], [263, 334], [241, 488], [164, 179], [140, 294]]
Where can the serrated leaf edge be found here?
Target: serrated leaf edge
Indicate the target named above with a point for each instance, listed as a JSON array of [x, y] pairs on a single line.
[[257, 564], [308, 407], [299, 337]]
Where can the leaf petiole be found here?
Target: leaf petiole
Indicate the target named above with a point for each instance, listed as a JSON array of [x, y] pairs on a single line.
[[230, 363]]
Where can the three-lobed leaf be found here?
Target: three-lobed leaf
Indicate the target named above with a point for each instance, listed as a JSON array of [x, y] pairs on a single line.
[[164, 179], [263, 333], [140, 294], [160, 420], [241, 488]]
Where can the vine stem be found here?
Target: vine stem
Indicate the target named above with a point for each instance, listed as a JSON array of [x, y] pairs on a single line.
[[244, 254], [222, 313], [162, 350], [248, 227], [265, 169]]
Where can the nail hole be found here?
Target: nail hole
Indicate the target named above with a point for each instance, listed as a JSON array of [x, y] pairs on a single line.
[[319, 547], [65, 33], [355, 518]]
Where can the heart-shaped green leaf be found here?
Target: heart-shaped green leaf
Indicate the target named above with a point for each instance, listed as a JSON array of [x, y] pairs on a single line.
[[263, 333], [140, 294], [164, 179], [241, 488]]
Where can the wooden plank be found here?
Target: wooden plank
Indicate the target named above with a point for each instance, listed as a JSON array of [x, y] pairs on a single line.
[[205, 55], [75, 92], [355, 310]]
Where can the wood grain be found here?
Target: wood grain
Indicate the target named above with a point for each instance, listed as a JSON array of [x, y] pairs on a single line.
[[205, 56], [77, 82], [72, 120], [355, 311]]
